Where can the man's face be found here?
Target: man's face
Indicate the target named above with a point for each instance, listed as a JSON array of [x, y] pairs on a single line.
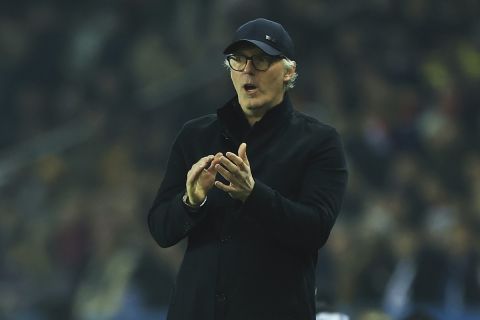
[[258, 91]]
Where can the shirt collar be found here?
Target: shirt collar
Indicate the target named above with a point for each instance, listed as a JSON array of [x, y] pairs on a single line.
[[236, 125]]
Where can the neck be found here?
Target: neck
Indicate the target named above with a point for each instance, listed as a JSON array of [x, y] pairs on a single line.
[[256, 114], [252, 119]]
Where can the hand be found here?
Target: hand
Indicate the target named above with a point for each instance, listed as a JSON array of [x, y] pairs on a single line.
[[236, 170], [200, 178]]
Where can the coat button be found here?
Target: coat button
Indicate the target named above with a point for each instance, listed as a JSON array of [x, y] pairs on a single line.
[[221, 297]]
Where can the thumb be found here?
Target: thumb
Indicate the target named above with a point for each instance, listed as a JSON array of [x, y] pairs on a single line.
[[242, 153]]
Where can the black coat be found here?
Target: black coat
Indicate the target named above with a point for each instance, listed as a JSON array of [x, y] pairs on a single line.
[[254, 260]]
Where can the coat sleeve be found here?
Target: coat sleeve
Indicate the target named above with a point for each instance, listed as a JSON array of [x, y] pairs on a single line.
[[306, 222], [169, 220]]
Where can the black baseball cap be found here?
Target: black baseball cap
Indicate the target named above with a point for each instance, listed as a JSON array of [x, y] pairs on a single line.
[[269, 36]]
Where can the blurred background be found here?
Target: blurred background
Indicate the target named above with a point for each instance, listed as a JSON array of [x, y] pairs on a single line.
[[92, 94]]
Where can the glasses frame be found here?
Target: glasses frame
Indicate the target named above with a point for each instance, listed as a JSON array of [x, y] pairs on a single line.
[[271, 60]]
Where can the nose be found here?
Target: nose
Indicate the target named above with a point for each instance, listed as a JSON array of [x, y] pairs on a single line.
[[249, 68]]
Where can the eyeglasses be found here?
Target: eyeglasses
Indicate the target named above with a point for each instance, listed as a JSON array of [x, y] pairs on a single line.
[[261, 62]]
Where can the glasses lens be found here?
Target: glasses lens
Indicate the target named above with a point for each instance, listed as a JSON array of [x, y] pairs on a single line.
[[237, 62], [261, 62]]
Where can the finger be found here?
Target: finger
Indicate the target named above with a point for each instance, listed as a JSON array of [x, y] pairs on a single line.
[[198, 167], [224, 187], [236, 160], [229, 165], [224, 172], [242, 153], [211, 169], [203, 162]]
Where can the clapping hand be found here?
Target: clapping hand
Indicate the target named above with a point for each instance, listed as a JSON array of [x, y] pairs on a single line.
[[236, 170], [200, 178]]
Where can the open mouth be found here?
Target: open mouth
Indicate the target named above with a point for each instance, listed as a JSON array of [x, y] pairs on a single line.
[[249, 87]]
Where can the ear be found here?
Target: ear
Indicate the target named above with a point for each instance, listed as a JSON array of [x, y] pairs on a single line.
[[289, 72]]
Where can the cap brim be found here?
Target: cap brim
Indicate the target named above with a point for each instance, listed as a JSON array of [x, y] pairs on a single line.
[[261, 45]]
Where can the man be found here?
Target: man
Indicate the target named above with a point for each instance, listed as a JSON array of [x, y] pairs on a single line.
[[256, 188]]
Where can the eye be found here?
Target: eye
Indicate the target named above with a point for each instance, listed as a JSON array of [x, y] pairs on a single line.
[[261, 58], [237, 58]]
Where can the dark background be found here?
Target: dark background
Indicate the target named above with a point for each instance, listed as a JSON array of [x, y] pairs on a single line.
[[92, 94]]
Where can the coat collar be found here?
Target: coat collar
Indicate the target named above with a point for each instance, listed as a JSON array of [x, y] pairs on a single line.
[[235, 124]]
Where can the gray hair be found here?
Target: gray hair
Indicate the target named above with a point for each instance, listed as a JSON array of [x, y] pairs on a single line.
[[287, 65], [290, 65]]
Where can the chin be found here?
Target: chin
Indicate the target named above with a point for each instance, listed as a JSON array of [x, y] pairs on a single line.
[[252, 104]]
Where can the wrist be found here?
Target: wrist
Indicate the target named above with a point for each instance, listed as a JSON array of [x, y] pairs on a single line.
[[192, 205]]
